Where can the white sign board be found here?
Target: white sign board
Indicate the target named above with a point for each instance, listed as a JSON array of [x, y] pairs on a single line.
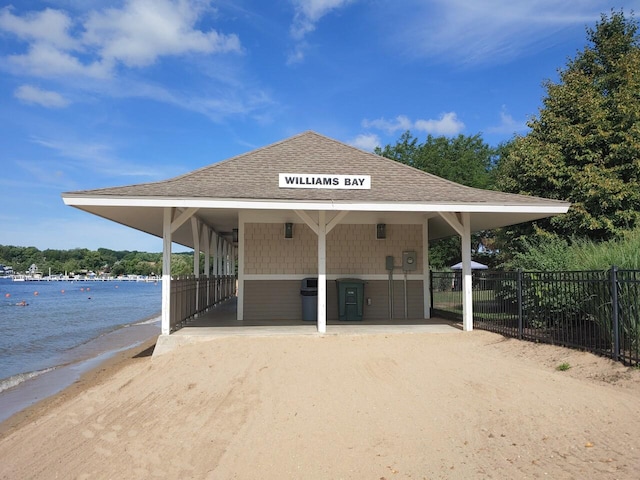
[[335, 182]]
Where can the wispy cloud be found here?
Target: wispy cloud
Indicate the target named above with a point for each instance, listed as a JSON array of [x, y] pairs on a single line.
[[463, 32], [307, 14], [95, 157], [36, 96], [366, 142], [508, 125], [447, 124]]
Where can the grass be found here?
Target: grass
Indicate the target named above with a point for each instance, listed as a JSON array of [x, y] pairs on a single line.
[[563, 367]]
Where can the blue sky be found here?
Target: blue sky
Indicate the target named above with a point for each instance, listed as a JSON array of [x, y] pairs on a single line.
[[143, 90]]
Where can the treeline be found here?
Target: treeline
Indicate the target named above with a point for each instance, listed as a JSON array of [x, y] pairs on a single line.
[[80, 260]]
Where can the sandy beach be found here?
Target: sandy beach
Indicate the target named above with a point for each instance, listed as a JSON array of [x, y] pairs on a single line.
[[397, 406]]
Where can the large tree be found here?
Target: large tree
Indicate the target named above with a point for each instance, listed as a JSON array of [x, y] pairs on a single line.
[[584, 146], [462, 159]]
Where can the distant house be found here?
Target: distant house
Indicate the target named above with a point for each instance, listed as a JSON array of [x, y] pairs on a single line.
[[5, 270]]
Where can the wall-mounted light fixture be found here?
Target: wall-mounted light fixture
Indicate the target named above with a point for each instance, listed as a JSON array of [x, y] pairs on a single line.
[[381, 231], [235, 235], [288, 230]]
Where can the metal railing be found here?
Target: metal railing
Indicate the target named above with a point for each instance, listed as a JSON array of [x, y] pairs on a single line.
[[588, 310], [191, 296]]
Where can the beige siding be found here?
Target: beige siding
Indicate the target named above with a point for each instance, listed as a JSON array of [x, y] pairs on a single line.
[[281, 300], [352, 249], [272, 300]]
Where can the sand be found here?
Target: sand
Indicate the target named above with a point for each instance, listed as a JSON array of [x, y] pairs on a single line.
[[398, 406]]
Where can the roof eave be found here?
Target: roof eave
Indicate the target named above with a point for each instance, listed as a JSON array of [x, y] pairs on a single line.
[[550, 207]]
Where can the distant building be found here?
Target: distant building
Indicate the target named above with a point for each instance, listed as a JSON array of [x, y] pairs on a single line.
[[5, 270]]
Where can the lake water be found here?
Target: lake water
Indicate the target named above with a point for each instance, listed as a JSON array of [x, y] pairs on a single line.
[[66, 328]]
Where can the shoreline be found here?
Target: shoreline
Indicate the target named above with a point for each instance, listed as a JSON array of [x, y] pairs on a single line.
[[78, 363], [91, 376]]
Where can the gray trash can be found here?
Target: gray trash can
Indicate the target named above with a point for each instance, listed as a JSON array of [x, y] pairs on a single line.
[[309, 292]]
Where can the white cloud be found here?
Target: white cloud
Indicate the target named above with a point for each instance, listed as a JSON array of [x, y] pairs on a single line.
[[309, 12], [34, 95], [96, 157], [298, 53], [47, 61], [448, 124], [135, 35], [508, 125], [144, 30], [489, 31], [401, 122], [366, 142], [48, 26]]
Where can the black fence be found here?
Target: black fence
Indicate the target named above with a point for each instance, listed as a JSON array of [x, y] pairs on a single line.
[[593, 311]]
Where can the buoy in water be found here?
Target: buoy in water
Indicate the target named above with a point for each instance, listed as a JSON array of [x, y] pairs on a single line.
[[7, 295]]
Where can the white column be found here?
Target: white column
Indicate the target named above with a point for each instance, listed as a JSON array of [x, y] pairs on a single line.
[[426, 277], [467, 301], [240, 307], [322, 272], [195, 231], [207, 250], [220, 245], [207, 260], [166, 271]]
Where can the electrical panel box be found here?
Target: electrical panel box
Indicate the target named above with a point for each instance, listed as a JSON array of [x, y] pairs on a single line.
[[389, 262], [409, 261]]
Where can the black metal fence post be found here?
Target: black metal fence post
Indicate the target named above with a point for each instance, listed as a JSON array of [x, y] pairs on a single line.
[[614, 313], [431, 288], [520, 320]]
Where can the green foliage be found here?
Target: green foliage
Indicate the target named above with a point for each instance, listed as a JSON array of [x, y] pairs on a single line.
[[563, 367], [552, 253], [463, 159], [623, 252], [585, 144], [548, 253]]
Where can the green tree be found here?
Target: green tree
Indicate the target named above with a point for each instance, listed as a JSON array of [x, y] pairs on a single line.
[[584, 146], [463, 159]]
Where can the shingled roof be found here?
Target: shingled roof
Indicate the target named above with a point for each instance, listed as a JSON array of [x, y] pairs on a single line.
[[249, 183], [254, 175]]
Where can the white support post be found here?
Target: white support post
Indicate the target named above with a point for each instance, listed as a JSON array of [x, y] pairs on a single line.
[[207, 250], [322, 272], [467, 301], [195, 231], [207, 263], [240, 293], [220, 253], [426, 277], [166, 271]]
